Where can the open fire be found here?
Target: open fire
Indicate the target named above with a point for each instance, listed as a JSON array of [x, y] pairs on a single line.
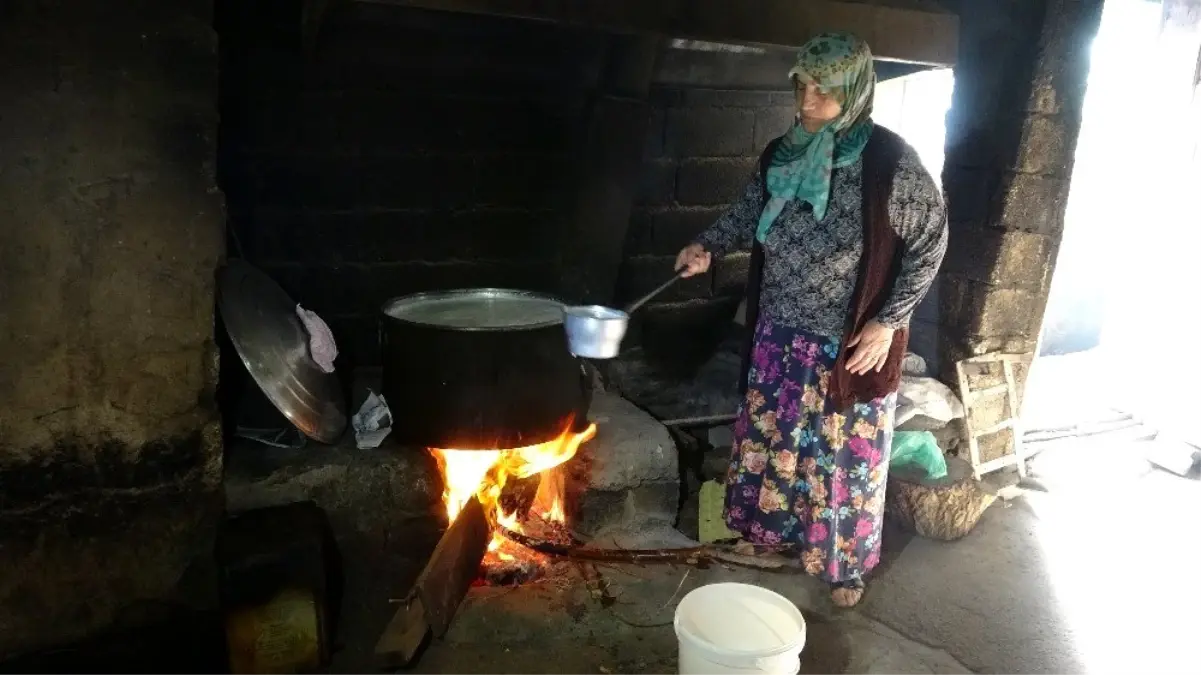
[[485, 473]]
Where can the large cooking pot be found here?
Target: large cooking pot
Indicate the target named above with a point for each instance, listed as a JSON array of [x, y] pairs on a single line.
[[479, 369]]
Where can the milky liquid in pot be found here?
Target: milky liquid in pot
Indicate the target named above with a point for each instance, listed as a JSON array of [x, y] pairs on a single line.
[[479, 310]]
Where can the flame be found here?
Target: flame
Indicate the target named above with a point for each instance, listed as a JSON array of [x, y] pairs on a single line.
[[483, 474]]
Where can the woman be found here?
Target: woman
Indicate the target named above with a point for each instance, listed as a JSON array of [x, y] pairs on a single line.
[[848, 230]]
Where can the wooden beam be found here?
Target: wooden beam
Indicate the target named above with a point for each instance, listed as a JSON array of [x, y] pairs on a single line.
[[431, 604], [919, 35]]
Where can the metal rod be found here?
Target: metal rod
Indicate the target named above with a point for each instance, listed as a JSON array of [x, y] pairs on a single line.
[[644, 299], [712, 420]]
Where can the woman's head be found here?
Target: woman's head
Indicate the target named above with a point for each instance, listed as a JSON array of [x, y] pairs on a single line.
[[834, 80]]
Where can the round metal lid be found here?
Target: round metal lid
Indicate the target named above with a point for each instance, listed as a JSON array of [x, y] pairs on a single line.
[[273, 344], [477, 309]]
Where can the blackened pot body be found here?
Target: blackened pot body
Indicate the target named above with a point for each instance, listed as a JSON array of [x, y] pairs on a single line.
[[479, 369]]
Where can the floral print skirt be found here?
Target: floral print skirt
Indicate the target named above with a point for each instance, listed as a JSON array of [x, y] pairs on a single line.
[[802, 473]]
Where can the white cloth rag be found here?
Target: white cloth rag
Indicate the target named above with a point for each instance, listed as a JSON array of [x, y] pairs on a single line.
[[372, 423], [322, 347]]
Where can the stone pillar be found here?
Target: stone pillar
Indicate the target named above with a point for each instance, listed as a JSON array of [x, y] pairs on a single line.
[[110, 232], [1011, 136]]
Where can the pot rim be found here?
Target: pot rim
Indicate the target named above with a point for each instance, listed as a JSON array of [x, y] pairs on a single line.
[[414, 298]]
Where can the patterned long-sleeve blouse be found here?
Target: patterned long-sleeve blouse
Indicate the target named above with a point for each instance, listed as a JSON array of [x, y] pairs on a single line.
[[810, 267]]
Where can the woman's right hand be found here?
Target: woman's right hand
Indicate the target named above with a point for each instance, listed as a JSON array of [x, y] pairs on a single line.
[[692, 260]]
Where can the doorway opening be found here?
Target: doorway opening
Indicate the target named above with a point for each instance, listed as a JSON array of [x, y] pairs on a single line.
[[1114, 350]]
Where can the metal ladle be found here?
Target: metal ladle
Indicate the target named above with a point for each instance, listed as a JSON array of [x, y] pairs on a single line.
[[596, 331]]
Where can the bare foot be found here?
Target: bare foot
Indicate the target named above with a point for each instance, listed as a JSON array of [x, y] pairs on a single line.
[[845, 597]]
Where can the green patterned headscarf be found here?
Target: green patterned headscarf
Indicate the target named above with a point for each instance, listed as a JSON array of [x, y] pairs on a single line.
[[840, 64]]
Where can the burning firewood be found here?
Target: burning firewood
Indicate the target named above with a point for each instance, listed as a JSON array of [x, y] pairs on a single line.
[[508, 517], [443, 583], [699, 556]]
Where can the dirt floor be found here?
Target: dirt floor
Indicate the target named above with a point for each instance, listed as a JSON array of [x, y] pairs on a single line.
[[1090, 568], [563, 625], [1092, 575]]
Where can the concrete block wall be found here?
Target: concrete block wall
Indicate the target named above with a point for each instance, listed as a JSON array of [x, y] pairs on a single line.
[[703, 147], [110, 234], [413, 151], [410, 151]]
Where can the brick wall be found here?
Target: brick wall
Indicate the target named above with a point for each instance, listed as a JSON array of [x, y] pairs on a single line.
[[410, 151]]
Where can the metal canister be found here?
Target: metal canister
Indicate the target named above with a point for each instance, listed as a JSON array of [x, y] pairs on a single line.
[[279, 587]]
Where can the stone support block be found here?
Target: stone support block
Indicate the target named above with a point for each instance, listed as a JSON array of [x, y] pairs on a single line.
[[633, 468], [360, 490]]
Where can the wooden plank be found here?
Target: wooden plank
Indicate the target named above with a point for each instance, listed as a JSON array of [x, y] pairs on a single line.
[[996, 464], [990, 392], [995, 358], [973, 442], [895, 33], [403, 636], [441, 587], [454, 564], [1016, 427], [1013, 423], [999, 426]]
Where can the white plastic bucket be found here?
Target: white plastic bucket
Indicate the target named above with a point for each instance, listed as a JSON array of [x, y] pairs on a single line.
[[738, 628]]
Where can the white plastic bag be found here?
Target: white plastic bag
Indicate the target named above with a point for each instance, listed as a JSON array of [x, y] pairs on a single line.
[[925, 404]]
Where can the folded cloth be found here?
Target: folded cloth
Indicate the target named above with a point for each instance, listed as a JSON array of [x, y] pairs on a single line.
[[322, 347]]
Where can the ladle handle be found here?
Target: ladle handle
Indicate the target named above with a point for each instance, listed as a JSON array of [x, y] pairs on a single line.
[[646, 298]]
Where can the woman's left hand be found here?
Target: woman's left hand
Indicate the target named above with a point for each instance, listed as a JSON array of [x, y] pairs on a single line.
[[871, 347]]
